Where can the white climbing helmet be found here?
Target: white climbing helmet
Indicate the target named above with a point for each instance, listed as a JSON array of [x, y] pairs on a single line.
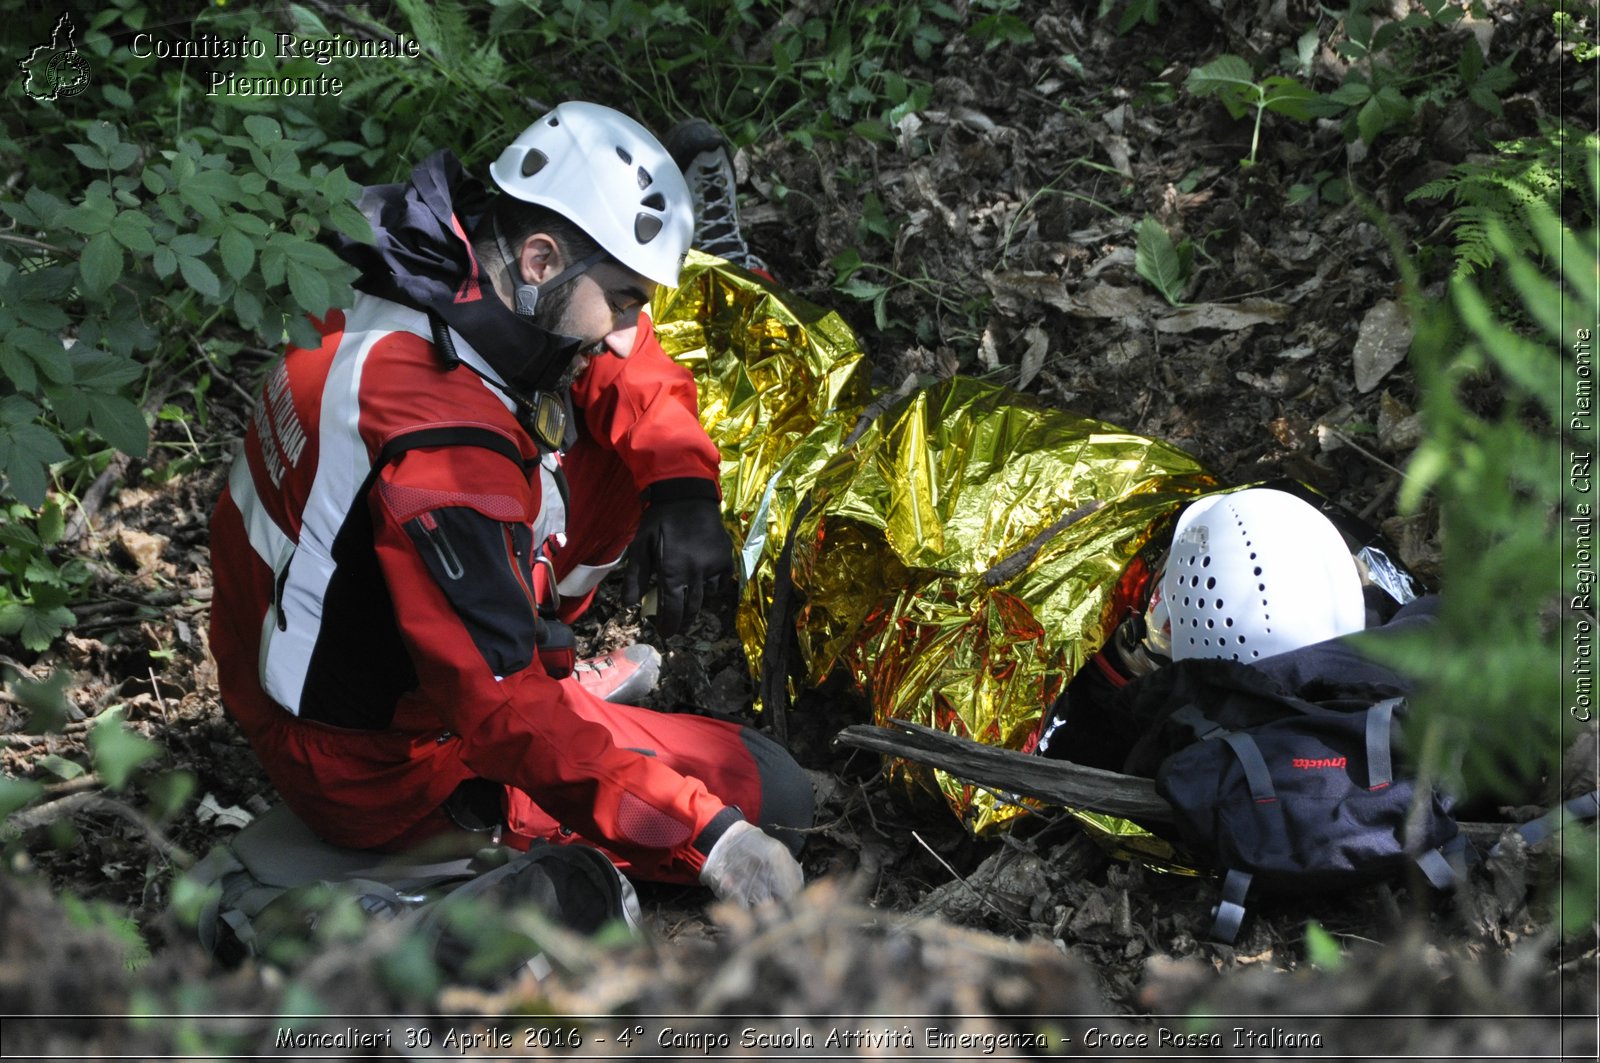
[[611, 177], [1255, 573]]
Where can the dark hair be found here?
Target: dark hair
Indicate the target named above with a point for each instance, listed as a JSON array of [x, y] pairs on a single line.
[[519, 220]]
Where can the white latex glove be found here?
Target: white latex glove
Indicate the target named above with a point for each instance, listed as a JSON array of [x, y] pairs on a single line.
[[749, 867]]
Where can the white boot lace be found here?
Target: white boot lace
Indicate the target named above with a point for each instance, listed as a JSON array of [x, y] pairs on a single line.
[[716, 210]]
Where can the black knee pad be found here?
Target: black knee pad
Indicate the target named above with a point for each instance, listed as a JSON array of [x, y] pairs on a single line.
[[787, 801]]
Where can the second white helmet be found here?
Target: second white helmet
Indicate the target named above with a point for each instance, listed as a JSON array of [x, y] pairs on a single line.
[[611, 177], [1256, 573]]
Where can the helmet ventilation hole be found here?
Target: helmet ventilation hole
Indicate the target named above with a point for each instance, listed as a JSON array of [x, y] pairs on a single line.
[[622, 153], [644, 178], [655, 201], [645, 227], [533, 162]]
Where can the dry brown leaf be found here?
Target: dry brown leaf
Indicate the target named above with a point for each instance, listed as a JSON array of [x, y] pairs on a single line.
[[1399, 429], [1381, 345], [1225, 317], [144, 548], [1037, 345], [1113, 301]]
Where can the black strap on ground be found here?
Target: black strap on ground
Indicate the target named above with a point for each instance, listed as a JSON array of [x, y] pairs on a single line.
[[1229, 912], [778, 649], [1582, 808]]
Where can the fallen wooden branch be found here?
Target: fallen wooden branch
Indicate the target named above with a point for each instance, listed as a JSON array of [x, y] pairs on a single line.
[[1058, 782], [90, 801]]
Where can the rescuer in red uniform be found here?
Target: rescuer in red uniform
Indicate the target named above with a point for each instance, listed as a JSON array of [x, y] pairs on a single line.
[[427, 498]]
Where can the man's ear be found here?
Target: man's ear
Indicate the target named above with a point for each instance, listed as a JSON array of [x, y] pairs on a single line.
[[540, 259]]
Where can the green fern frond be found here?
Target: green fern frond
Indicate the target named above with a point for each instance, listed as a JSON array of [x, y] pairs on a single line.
[[1473, 249], [1505, 190], [1444, 186]]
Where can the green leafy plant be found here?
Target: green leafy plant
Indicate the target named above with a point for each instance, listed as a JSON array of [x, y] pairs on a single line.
[[131, 235], [118, 752], [1322, 948], [1230, 79], [1133, 13], [1166, 266], [1575, 22], [1391, 73], [1324, 187], [99, 915], [37, 590], [958, 313], [1001, 25]]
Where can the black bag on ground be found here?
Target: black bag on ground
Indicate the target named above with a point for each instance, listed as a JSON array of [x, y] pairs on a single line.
[[275, 879], [1284, 792], [1309, 802]]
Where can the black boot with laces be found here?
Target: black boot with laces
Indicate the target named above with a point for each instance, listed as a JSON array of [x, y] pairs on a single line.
[[703, 154]]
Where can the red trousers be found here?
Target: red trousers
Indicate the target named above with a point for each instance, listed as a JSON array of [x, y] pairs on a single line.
[[737, 764]]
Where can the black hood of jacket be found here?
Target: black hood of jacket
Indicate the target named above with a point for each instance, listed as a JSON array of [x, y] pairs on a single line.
[[421, 257]]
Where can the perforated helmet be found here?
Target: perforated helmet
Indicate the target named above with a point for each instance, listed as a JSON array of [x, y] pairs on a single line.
[[611, 177], [1256, 573]]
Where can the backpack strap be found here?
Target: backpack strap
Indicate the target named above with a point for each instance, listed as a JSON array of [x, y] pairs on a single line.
[[1229, 912], [1435, 864], [1256, 773], [1196, 721], [209, 872], [1380, 725], [1244, 747], [1582, 808]]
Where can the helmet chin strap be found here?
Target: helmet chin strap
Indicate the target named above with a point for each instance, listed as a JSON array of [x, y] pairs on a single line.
[[525, 297]]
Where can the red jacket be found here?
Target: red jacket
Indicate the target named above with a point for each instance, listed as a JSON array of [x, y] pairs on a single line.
[[369, 674]]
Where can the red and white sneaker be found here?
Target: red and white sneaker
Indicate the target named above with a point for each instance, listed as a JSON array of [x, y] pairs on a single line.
[[623, 675]]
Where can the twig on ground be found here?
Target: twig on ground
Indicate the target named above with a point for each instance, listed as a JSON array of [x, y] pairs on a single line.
[[95, 497], [1344, 438], [161, 702], [1379, 500], [1014, 564], [43, 815], [986, 902], [93, 801], [90, 781], [239, 389]]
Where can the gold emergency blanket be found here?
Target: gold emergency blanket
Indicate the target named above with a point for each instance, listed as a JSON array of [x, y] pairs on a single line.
[[957, 558]]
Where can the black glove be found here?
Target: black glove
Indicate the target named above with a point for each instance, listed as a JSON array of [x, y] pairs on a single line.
[[682, 545]]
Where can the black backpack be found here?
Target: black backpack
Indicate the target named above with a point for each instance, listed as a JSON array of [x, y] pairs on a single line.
[[1287, 775], [1310, 801]]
